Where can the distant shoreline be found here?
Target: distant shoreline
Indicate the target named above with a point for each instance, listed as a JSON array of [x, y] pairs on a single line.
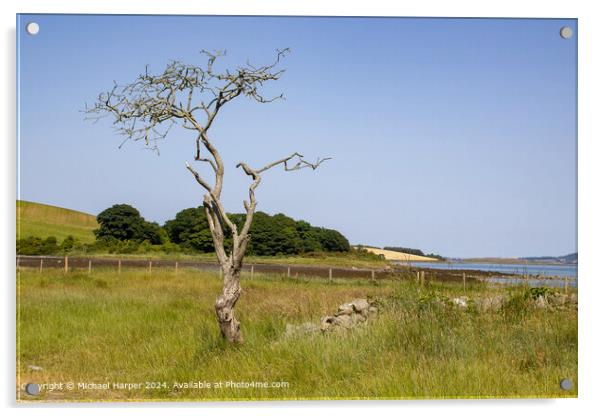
[[517, 262]]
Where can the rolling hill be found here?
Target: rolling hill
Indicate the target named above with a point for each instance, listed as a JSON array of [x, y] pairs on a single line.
[[40, 220]]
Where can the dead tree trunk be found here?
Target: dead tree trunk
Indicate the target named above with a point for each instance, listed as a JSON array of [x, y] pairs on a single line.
[[224, 306]]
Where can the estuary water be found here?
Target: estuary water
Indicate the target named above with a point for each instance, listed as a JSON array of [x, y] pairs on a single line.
[[536, 273], [546, 270]]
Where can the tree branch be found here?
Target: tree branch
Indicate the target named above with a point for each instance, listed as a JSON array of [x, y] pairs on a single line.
[[217, 233], [139, 108], [251, 204], [198, 178]]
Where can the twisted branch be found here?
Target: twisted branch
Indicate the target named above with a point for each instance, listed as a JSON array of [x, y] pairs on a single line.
[[251, 204]]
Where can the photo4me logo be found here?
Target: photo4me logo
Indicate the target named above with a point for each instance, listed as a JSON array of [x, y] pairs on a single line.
[[154, 385], [230, 384]]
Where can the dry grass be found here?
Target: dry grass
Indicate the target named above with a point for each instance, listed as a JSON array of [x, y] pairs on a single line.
[[133, 328]]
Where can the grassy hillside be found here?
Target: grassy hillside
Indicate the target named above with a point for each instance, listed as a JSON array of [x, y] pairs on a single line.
[[40, 220]]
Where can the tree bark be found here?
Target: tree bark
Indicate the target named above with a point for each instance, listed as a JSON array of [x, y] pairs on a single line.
[[224, 305]]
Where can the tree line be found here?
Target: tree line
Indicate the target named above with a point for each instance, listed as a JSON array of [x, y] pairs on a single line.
[[123, 230]]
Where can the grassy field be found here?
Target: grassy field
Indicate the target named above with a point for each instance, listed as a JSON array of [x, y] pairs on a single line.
[[333, 259], [43, 221], [135, 328]]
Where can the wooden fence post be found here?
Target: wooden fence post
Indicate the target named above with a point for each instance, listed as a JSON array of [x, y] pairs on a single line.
[[119, 266], [41, 265], [252, 270], [176, 268], [417, 277], [150, 267], [330, 275], [422, 278], [66, 264], [288, 271], [89, 266], [372, 275]]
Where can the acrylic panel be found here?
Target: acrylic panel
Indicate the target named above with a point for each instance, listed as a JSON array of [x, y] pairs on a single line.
[[279, 208]]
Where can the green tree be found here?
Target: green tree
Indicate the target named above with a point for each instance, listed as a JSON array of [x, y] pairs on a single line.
[[190, 229], [332, 240], [124, 222], [310, 239], [153, 233], [269, 235]]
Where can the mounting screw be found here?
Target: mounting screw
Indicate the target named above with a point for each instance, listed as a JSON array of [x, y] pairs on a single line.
[[32, 28], [566, 32], [566, 384], [32, 389]]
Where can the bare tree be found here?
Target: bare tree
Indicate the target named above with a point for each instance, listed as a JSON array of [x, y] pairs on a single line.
[[191, 97]]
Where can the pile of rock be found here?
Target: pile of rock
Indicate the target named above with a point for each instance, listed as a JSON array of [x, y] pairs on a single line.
[[490, 304], [486, 304], [556, 300], [461, 302], [348, 316]]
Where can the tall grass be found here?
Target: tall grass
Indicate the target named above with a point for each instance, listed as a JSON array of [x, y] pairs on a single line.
[[134, 328]]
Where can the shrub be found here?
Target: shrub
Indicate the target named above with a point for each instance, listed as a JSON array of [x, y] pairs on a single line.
[[518, 305], [69, 244], [36, 246], [535, 292]]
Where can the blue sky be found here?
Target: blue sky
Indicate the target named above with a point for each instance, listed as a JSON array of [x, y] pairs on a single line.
[[456, 136]]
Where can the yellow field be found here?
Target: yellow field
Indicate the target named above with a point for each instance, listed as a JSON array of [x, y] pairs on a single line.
[[397, 256]]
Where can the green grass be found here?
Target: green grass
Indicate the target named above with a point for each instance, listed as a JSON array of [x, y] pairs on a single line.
[[40, 220], [135, 328], [349, 259]]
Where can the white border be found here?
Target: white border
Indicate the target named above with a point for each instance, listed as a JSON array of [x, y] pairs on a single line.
[[590, 207]]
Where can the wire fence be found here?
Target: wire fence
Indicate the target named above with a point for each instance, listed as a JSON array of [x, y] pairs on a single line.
[[154, 266], [90, 263]]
